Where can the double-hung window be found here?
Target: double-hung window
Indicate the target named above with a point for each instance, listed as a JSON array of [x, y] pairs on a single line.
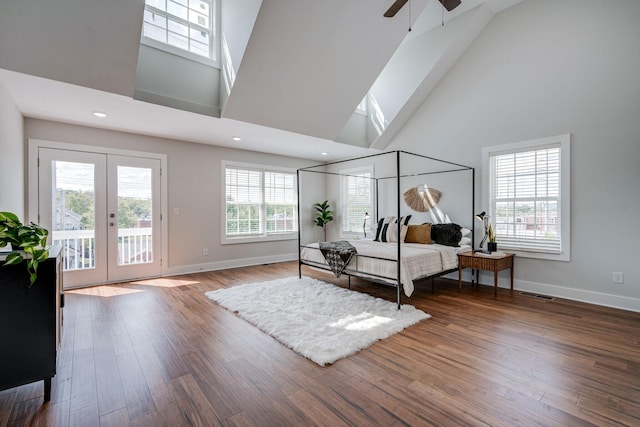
[[260, 204], [185, 27], [528, 193], [357, 200]]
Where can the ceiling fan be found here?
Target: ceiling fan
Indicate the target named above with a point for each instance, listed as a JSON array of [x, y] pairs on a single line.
[[397, 5]]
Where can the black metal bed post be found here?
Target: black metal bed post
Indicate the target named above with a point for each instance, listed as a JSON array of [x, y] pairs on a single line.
[[473, 208], [299, 228], [399, 287]]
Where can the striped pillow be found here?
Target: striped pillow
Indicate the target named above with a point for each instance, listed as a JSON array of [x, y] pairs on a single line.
[[389, 233], [404, 220], [381, 223]]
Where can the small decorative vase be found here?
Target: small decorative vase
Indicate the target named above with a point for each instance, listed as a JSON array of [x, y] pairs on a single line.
[[492, 246]]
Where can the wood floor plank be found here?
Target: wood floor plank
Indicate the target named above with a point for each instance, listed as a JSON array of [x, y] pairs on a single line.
[[157, 352], [83, 379], [136, 390]]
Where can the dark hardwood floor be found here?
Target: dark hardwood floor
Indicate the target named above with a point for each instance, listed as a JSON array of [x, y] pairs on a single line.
[[158, 352]]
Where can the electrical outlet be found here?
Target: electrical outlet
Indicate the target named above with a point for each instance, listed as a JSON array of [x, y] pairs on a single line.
[[205, 252], [618, 277]]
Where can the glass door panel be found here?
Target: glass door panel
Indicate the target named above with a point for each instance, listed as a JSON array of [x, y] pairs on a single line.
[[74, 218], [134, 217], [72, 208]]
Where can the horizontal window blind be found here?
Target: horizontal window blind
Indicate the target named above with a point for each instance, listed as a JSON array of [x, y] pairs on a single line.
[[243, 193], [525, 199], [357, 199], [259, 203], [280, 202]]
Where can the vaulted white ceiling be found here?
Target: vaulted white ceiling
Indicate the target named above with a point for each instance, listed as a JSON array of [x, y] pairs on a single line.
[[306, 66]]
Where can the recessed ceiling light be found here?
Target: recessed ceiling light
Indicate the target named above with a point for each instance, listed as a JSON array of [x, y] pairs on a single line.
[[100, 114], [324, 153], [236, 138]]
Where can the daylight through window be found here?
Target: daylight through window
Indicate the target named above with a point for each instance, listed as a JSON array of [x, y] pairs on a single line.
[[527, 196], [183, 24], [357, 199], [259, 203]]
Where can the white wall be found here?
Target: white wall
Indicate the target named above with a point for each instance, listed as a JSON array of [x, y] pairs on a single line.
[[12, 169], [194, 186], [174, 81], [544, 68]]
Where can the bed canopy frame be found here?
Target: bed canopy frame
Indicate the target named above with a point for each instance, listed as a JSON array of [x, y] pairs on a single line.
[[402, 165]]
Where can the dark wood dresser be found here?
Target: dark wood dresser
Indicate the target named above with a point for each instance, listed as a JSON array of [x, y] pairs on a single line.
[[30, 322]]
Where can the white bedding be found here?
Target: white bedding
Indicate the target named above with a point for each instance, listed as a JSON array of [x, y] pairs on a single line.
[[417, 259]]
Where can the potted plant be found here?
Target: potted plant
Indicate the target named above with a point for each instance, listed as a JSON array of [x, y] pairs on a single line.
[[492, 246], [27, 242], [324, 216]]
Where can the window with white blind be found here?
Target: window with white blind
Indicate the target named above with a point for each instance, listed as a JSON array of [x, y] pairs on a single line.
[[357, 200], [527, 184], [183, 27], [260, 204]]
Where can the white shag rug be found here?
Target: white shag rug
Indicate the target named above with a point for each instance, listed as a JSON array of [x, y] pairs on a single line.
[[318, 320]]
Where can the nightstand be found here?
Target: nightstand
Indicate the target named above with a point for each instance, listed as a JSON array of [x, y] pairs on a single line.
[[479, 261]]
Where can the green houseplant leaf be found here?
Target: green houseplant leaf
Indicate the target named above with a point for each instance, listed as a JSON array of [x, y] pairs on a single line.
[[324, 215], [31, 239]]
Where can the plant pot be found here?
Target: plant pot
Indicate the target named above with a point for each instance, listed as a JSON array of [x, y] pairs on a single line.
[[492, 246]]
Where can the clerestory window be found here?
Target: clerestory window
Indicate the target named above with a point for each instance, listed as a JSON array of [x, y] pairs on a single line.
[[185, 27]]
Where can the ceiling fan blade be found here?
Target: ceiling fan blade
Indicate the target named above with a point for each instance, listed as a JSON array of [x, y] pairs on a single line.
[[450, 4], [395, 7]]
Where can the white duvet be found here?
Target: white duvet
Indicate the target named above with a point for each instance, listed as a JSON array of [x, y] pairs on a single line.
[[417, 260]]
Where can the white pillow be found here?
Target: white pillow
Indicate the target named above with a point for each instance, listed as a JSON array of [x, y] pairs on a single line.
[[464, 241], [465, 232]]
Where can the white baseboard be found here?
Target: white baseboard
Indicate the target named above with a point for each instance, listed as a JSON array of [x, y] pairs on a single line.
[[221, 265], [598, 298], [591, 297]]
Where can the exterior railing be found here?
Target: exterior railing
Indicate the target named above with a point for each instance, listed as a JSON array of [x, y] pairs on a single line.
[[135, 246]]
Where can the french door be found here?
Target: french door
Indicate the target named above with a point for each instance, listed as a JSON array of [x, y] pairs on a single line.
[[104, 210]]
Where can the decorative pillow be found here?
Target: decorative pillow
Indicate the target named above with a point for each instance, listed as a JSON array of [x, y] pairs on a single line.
[[446, 234], [464, 241], [404, 220], [389, 232], [419, 234], [381, 223]]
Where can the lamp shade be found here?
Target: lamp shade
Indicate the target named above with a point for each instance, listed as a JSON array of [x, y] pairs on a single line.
[[481, 215]]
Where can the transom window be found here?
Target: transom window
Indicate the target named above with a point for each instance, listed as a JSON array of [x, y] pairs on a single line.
[[186, 25], [259, 204], [528, 189]]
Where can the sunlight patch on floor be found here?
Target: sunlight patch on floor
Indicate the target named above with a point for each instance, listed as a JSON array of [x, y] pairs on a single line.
[[164, 282], [105, 291], [360, 322]]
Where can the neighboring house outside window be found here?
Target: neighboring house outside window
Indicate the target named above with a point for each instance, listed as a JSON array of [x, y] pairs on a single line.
[[259, 203], [527, 186], [183, 27], [357, 200]]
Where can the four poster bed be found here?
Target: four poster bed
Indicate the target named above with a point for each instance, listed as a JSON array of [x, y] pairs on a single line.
[[395, 257]]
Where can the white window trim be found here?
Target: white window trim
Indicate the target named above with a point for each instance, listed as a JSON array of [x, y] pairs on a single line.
[[565, 189], [215, 45], [343, 205], [225, 240]]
